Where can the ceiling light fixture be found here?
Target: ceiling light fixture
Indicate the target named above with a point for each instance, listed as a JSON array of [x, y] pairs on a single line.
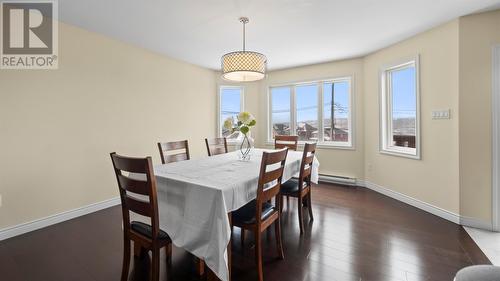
[[243, 66]]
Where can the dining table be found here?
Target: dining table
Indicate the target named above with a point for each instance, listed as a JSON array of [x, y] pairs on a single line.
[[197, 196]]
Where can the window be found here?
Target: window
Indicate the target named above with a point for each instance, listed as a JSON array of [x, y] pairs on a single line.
[[306, 112], [400, 109], [336, 113], [280, 111], [317, 111], [230, 105]]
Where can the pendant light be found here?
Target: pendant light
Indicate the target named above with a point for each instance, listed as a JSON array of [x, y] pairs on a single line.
[[243, 66]]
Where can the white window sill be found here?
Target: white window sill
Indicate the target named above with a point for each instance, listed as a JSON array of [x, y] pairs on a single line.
[[410, 154], [322, 145]]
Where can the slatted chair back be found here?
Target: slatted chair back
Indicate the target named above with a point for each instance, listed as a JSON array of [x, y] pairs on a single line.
[[289, 142], [306, 164], [216, 146], [138, 179], [173, 151], [271, 173]]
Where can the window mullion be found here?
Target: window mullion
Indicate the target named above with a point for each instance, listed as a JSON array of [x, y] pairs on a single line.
[[293, 111], [270, 114], [320, 112], [389, 138]]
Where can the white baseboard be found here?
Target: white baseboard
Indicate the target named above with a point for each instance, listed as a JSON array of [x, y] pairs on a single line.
[[57, 218], [445, 214], [476, 223]]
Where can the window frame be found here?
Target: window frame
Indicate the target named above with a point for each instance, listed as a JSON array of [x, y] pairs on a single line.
[[293, 111], [385, 127], [219, 106]]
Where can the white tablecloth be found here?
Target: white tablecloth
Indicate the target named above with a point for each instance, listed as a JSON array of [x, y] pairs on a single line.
[[195, 197]]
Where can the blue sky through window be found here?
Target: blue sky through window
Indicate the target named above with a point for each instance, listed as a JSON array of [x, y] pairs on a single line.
[[230, 103], [307, 102], [404, 101], [306, 99], [280, 104], [341, 99]]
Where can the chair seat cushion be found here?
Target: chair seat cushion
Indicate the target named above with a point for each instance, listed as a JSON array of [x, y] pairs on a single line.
[[478, 273], [291, 187], [147, 230], [246, 214]]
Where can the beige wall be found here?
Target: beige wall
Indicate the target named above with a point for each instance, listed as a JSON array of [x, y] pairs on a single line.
[[478, 33], [434, 178], [58, 127], [339, 162]]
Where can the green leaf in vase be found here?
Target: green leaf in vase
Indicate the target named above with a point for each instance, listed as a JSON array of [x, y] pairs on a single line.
[[244, 129]]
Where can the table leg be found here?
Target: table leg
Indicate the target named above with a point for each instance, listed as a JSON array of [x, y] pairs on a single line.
[[200, 266], [229, 247]]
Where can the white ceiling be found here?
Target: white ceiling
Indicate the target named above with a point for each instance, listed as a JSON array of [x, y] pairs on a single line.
[[289, 32]]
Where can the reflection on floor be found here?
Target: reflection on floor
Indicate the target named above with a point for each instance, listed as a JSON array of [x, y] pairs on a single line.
[[488, 241], [357, 234]]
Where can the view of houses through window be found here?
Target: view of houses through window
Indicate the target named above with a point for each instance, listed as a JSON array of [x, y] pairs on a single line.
[[318, 111]]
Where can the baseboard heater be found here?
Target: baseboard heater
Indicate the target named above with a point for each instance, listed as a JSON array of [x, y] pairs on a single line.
[[337, 179]]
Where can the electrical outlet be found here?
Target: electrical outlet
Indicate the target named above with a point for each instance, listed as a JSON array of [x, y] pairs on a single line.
[[370, 167]]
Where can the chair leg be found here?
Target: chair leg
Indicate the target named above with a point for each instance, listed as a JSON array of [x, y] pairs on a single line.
[[279, 243], [200, 266], [138, 250], [242, 238], [309, 206], [155, 264], [168, 257], [280, 203], [126, 259], [258, 254], [301, 219]]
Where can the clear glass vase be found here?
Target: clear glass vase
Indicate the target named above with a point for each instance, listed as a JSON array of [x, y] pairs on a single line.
[[245, 148]]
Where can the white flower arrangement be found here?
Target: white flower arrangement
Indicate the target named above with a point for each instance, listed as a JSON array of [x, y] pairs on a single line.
[[245, 122]]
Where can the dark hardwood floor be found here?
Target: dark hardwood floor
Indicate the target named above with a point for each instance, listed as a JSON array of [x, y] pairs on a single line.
[[357, 235]]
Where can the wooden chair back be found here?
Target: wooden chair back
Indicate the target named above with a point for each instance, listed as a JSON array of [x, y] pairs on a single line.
[[143, 182], [173, 151], [306, 164], [271, 173], [289, 142], [216, 146]]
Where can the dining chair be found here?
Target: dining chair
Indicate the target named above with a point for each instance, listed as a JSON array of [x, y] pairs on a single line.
[[301, 188], [259, 214], [289, 142], [140, 182], [216, 146], [173, 151]]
